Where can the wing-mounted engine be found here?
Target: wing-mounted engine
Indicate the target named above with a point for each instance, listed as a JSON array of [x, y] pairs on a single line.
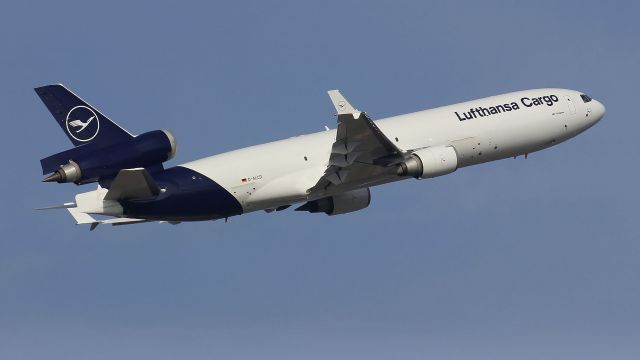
[[92, 162], [430, 162], [362, 152], [342, 203]]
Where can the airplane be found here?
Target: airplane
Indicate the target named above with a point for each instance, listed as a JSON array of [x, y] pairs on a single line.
[[328, 172]]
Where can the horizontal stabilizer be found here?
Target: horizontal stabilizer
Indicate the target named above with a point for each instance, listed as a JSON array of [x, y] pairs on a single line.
[[86, 219], [132, 184], [123, 221], [81, 217]]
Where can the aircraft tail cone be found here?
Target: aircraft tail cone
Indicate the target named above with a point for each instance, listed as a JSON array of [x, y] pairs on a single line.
[[56, 176]]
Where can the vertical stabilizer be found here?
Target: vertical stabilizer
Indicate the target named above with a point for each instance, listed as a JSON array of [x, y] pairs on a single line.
[[81, 122]]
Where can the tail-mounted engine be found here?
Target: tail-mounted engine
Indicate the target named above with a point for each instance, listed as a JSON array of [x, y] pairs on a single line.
[[90, 162]]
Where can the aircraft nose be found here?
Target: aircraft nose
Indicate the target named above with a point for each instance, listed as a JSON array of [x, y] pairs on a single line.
[[598, 110]]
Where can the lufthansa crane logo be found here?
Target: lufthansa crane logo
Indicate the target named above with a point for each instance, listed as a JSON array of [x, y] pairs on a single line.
[[82, 123]]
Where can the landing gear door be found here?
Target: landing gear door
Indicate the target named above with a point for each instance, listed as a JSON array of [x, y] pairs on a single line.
[[572, 106]]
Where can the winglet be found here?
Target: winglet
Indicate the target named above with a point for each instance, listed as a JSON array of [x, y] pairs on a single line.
[[341, 104]]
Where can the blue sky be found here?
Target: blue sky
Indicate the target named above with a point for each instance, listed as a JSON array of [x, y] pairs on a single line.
[[527, 259]]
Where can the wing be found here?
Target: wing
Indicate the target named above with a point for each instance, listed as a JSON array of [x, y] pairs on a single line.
[[132, 184], [361, 151]]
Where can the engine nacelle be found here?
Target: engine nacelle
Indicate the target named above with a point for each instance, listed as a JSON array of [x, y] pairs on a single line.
[[430, 162], [341, 203], [88, 164]]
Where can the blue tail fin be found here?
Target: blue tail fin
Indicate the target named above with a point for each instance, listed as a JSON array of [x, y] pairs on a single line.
[[81, 122]]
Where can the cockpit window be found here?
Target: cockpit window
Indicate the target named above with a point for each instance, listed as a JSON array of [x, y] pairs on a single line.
[[585, 98]]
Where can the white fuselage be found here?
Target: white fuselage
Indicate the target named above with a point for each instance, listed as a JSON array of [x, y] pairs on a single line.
[[280, 173]]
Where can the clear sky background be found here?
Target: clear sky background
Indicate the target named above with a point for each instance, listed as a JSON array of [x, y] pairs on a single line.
[[516, 259]]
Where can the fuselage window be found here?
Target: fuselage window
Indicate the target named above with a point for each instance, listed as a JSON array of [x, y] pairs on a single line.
[[585, 98]]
